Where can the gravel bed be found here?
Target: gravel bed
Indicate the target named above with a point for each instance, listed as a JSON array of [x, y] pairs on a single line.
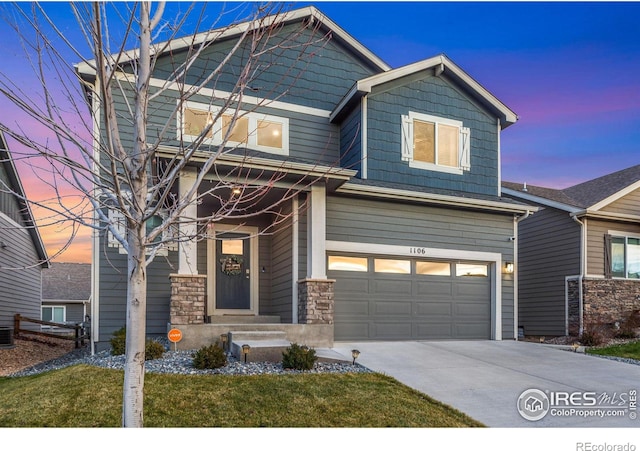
[[618, 359], [181, 362]]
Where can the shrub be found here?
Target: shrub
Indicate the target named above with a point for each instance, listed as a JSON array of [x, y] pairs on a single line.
[[152, 349], [592, 336], [118, 341], [209, 357], [298, 357], [629, 326]]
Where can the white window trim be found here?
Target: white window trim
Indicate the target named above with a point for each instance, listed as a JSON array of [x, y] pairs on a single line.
[[463, 143], [626, 236], [253, 118], [64, 315]]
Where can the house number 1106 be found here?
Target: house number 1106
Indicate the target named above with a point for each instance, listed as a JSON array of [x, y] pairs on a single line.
[[418, 250]]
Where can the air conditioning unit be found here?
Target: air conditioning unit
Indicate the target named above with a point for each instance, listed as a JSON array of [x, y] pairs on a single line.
[[6, 337]]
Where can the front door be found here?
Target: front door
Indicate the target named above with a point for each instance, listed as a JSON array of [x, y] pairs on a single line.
[[232, 262], [233, 272]]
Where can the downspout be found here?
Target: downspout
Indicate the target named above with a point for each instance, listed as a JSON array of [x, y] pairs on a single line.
[[516, 221], [582, 271]]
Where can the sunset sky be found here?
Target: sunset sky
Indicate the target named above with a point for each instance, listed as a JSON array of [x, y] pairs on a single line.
[[569, 70]]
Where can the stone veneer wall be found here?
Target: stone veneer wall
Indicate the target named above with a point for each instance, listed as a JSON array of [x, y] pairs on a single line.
[[605, 301], [573, 292], [609, 300], [188, 293], [315, 301]]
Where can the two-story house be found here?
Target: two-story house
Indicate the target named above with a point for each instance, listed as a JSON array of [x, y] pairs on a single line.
[[396, 231]]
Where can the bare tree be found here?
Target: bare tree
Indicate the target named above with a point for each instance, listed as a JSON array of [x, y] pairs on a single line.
[[118, 159]]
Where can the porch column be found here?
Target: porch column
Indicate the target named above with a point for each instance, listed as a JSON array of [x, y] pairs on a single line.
[[187, 299], [317, 233], [315, 292], [188, 249]]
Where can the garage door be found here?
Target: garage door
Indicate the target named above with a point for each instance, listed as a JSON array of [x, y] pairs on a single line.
[[382, 298]]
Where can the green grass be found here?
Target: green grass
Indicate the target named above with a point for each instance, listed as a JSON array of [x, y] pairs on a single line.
[[627, 350], [86, 396]]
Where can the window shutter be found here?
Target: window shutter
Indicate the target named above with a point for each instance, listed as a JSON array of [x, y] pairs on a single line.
[[117, 220], [407, 139], [465, 148], [607, 256]]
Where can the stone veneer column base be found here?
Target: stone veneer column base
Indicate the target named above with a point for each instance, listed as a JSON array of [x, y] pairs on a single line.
[[187, 299], [315, 301]]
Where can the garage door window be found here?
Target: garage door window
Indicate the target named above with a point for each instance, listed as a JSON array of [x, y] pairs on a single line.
[[392, 266], [340, 263], [433, 268], [471, 270]]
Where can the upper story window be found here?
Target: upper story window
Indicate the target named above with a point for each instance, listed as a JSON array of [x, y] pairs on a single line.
[[435, 143], [624, 258], [256, 131]]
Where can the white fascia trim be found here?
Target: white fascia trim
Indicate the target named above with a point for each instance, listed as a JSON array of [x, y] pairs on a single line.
[[494, 258], [235, 30], [606, 215], [223, 95], [365, 85], [541, 200], [390, 193], [614, 197], [313, 170]]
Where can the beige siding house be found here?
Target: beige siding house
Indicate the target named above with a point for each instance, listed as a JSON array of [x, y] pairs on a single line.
[[580, 254]]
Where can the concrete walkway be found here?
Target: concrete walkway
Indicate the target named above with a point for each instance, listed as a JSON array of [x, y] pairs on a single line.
[[484, 379]]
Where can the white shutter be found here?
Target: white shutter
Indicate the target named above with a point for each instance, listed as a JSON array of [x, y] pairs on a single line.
[[117, 220], [407, 139], [465, 148]]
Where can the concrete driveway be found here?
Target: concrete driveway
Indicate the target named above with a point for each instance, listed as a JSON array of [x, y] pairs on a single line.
[[485, 380]]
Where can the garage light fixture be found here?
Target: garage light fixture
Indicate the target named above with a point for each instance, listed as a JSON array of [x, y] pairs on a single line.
[[355, 353], [508, 267]]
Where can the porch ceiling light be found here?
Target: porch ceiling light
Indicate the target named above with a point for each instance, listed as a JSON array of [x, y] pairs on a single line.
[[355, 353], [508, 267], [245, 351], [236, 190]]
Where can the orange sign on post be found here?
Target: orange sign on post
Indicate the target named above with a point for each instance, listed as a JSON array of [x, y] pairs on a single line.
[[175, 335]]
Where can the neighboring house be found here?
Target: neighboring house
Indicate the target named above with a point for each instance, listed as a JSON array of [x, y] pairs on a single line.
[[580, 254], [407, 238], [22, 254], [66, 292]]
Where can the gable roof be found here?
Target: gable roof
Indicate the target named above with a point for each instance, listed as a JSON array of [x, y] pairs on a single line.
[[67, 281], [15, 186], [310, 13], [592, 194], [442, 65]]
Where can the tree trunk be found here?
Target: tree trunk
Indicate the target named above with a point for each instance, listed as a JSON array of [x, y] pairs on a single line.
[[133, 390]]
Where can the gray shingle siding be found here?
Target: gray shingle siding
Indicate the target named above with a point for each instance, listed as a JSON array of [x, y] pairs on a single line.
[[439, 97], [305, 84], [351, 140]]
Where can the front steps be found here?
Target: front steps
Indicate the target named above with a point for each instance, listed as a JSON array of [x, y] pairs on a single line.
[[265, 345]]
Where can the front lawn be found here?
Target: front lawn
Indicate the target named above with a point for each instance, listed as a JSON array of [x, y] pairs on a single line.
[[628, 350], [85, 396]]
